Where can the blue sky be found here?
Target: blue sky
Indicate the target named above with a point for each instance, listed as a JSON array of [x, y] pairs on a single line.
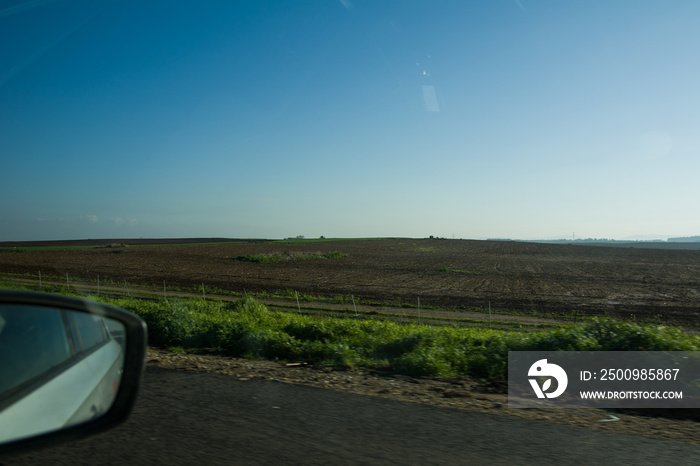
[[473, 119]]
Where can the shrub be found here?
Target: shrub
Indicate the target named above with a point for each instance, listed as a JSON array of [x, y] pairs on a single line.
[[424, 361], [340, 354], [614, 335], [267, 343]]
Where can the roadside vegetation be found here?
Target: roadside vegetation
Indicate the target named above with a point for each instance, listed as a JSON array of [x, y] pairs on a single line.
[[247, 328]]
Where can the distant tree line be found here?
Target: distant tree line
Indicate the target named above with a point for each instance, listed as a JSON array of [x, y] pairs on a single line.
[[685, 239]]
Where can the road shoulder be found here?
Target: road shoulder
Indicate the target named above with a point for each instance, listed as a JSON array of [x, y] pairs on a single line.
[[461, 394]]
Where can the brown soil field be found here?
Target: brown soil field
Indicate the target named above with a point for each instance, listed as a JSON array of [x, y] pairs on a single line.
[[514, 277]]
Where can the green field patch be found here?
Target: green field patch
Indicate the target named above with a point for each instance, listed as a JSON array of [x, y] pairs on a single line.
[[43, 248], [112, 246], [290, 256], [324, 240], [458, 271]]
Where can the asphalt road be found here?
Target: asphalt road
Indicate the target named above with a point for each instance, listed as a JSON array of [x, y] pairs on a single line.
[[200, 418]]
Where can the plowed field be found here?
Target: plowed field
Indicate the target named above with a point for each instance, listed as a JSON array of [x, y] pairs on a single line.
[[537, 279]]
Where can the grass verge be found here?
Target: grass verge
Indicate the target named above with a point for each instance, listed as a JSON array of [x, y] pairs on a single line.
[[247, 328]]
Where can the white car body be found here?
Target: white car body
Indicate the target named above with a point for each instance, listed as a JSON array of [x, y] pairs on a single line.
[[84, 390]]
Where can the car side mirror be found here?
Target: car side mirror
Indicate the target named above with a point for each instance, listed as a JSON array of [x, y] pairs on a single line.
[[68, 368]]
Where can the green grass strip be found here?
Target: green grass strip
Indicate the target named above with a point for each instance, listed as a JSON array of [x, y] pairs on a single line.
[[246, 328]]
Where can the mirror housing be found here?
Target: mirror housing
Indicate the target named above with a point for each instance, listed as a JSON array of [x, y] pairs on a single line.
[[127, 332]]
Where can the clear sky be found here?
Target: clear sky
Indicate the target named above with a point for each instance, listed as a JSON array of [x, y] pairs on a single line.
[[346, 118]]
